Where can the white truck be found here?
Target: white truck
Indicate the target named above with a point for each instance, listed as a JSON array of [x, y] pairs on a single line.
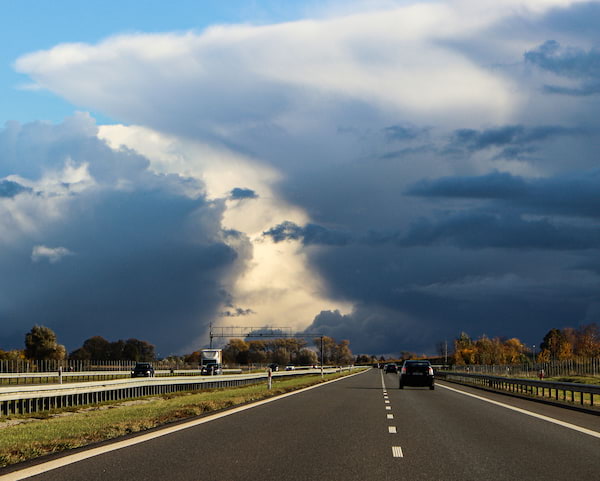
[[211, 362]]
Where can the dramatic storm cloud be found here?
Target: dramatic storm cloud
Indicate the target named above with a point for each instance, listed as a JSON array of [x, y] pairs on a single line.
[[392, 174], [99, 245]]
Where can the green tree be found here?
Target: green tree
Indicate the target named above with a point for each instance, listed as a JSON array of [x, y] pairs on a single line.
[[587, 341], [343, 354], [306, 357], [13, 355], [257, 352], [557, 345], [98, 347], [41, 344], [464, 350], [329, 349], [236, 352], [136, 350], [193, 358]]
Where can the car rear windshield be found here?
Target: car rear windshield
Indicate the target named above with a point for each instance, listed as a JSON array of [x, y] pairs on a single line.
[[418, 364]]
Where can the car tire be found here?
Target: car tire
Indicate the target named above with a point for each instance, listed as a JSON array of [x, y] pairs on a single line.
[[401, 386], [432, 387]]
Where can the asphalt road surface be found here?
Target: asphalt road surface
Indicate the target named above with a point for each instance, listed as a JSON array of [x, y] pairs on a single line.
[[364, 428]]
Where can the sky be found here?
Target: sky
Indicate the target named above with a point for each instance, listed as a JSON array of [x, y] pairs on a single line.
[[388, 172]]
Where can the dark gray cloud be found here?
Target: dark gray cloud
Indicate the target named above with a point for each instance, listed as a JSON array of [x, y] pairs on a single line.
[[515, 141], [496, 185], [473, 229], [570, 62], [574, 194], [498, 254], [237, 312], [476, 230], [9, 188], [309, 234], [145, 259], [404, 132], [580, 19], [238, 193], [565, 61], [410, 298]]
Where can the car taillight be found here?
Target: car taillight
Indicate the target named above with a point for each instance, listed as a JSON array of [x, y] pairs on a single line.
[[403, 370], [431, 371]]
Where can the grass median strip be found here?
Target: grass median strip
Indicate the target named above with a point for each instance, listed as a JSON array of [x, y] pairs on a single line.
[[66, 429]]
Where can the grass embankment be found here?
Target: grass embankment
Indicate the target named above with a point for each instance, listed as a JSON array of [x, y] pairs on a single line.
[[576, 379], [64, 429]]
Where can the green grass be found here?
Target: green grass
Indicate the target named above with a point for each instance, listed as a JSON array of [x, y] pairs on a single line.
[[68, 428], [576, 379]]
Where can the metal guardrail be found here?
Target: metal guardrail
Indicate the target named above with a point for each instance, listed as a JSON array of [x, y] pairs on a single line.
[[567, 392], [69, 376], [35, 398]]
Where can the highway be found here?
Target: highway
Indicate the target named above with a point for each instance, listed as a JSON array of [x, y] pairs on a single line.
[[363, 428]]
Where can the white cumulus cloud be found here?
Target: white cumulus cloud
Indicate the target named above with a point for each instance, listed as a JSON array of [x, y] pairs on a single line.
[[50, 254]]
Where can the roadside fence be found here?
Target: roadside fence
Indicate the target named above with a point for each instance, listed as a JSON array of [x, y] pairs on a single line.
[[27, 366], [579, 367]]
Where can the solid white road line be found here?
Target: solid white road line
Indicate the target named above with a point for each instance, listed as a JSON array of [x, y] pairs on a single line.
[[589, 432], [392, 429], [397, 452], [89, 453]]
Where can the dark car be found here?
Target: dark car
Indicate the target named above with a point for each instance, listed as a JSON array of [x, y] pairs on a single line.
[[274, 366], [393, 368], [416, 373], [142, 369]]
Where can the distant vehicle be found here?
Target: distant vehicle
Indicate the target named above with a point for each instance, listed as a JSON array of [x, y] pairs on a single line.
[[142, 369], [393, 368], [289, 367], [417, 373], [211, 362], [274, 366], [211, 370]]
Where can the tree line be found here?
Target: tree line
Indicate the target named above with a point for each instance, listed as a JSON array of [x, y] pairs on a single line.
[[41, 344], [568, 343], [557, 345], [283, 351]]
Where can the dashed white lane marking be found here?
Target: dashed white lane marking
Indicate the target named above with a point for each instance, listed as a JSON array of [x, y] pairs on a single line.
[[387, 401], [397, 452], [528, 413]]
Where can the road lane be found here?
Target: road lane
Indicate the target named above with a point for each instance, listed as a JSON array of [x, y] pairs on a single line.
[[459, 437], [301, 437], [342, 431]]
